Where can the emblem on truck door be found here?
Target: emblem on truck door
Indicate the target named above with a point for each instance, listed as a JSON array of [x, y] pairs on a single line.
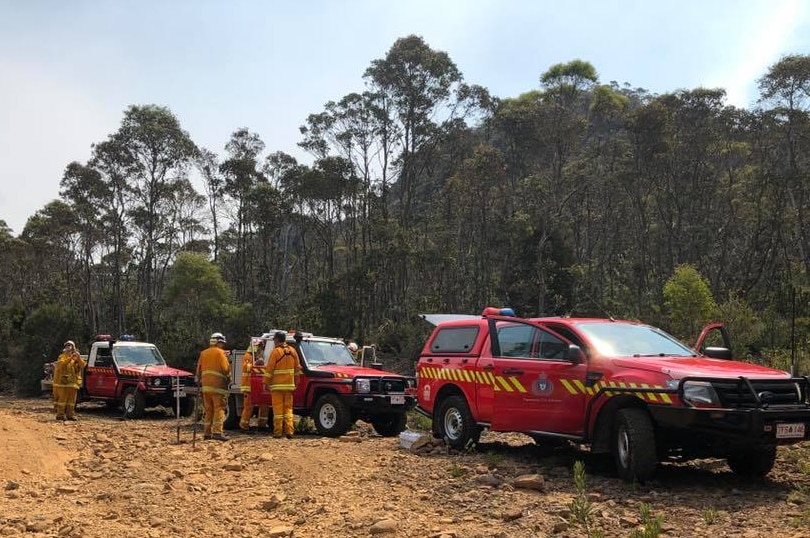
[[543, 386]]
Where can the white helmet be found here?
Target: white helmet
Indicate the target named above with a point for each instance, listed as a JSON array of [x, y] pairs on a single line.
[[352, 347], [217, 338]]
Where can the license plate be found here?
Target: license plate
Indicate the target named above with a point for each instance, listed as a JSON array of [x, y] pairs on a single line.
[[179, 393], [790, 431], [400, 400]]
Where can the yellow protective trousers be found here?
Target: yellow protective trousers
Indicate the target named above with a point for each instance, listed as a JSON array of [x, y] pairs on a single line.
[[214, 404], [247, 412], [65, 401], [282, 412]]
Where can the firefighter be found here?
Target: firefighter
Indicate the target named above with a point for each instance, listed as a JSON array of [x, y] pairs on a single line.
[[213, 374], [67, 379], [353, 349], [252, 357], [280, 378]]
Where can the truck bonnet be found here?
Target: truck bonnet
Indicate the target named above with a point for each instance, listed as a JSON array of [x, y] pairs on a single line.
[[678, 367]]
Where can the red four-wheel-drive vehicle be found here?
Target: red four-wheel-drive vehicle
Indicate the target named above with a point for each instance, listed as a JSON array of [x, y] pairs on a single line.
[[619, 386], [132, 375], [333, 389]]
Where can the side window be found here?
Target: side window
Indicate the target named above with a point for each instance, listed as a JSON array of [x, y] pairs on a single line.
[[551, 347], [454, 340], [524, 341], [517, 340], [103, 357], [571, 336]]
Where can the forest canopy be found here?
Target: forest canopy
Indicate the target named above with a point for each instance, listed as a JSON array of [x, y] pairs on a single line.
[[426, 193]]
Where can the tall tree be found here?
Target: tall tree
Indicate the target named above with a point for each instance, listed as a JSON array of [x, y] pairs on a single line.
[[157, 152]]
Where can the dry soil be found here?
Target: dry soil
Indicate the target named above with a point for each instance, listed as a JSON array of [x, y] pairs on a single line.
[[105, 477]]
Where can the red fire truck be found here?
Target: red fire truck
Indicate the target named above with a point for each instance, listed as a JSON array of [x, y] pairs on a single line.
[[621, 387], [133, 376], [334, 390]]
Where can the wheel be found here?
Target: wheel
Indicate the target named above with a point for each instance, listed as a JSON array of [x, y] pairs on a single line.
[[390, 424], [454, 422], [231, 413], [134, 403], [634, 445], [332, 417], [754, 462], [187, 405]]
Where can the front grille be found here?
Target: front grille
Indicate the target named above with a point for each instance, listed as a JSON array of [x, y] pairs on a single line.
[[384, 385], [185, 381], [738, 393]]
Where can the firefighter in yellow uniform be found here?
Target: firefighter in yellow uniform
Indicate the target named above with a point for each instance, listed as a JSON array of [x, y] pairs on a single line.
[[213, 373], [252, 357], [67, 379], [280, 377]]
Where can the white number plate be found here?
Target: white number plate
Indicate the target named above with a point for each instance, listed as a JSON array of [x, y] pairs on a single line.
[[790, 431], [180, 393], [400, 400]]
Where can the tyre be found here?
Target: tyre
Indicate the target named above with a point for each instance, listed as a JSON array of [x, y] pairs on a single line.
[[332, 417], [389, 425], [133, 403], [754, 462], [634, 449], [231, 413], [454, 422]]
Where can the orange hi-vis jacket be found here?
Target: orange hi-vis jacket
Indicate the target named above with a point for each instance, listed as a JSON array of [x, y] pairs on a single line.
[[67, 373], [247, 371], [282, 368], [213, 370]]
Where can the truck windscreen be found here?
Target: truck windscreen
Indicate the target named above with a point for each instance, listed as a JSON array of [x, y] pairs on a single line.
[[324, 353], [137, 356]]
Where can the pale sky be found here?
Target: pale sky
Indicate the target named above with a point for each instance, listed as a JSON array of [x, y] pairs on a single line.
[[68, 69]]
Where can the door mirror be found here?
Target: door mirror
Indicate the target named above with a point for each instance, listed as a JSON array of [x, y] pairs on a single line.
[[718, 353], [575, 354]]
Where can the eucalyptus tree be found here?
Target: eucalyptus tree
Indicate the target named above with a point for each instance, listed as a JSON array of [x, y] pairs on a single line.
[[785, 89], [156, 153], [241, 171], [85, 191], [207, 163]]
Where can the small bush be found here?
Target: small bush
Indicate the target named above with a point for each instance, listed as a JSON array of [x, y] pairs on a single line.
[[650, 525]]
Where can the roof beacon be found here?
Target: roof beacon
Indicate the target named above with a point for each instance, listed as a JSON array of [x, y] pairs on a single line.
[[493, 311]]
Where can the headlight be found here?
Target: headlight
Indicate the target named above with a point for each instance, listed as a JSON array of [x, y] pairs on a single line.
[[672, 384], [156, 382], [363, 385], [700, 394]]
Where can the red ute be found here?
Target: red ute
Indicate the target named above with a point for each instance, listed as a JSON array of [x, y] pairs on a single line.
[[623, 387]]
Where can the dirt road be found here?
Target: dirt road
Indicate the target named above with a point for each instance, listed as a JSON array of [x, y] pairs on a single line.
[[106, 477]]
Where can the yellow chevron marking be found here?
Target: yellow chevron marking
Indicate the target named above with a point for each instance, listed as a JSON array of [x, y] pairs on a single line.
[[650, 395], [492, 382], [582, 387], [516, 383], [467, 376], [505, 385], [568, 386], [453, 374], [478, 378], [666, 398]]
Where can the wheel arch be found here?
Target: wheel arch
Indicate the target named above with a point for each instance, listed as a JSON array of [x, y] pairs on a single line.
[[603, 424]]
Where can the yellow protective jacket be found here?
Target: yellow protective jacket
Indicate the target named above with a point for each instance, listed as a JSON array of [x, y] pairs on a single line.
[[247, 370], [67, 373], [282, 369], [213, 370]]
